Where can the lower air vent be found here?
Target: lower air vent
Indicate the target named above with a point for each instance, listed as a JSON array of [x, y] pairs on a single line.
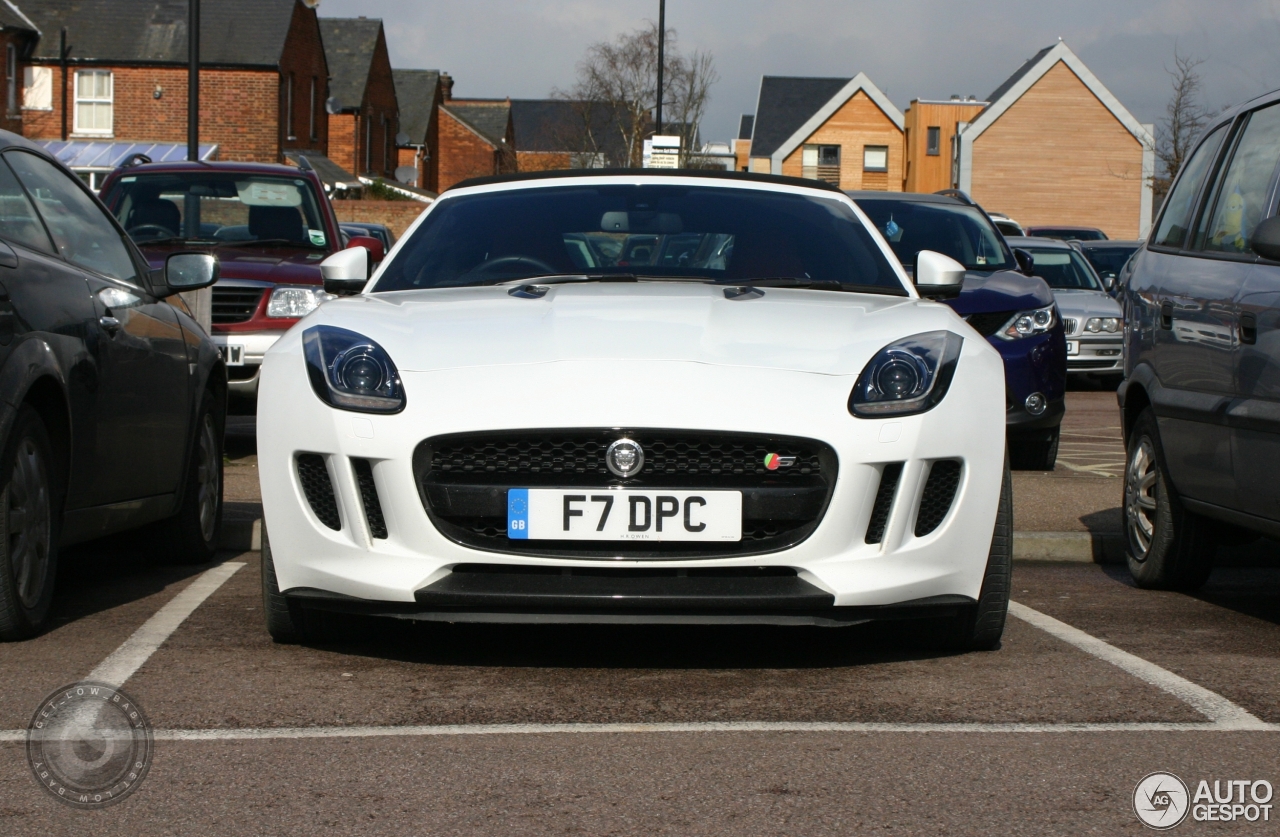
[[884, 501], [939, 492], [314, 476], [988, 323], [369, 498]]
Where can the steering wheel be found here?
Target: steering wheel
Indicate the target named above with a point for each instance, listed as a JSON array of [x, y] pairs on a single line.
[[152, 230], [508, 262]]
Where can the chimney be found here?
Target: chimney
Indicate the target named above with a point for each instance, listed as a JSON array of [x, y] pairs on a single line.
[[446, 86]]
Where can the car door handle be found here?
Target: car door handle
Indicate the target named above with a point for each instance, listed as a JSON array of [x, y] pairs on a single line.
[[1166, 316], [109, 324], [1249, 328]]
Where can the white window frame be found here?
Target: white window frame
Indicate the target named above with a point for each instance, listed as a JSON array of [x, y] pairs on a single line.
[[871, 149], [11, 77], [933, 141], [290, 133], [109, 99]]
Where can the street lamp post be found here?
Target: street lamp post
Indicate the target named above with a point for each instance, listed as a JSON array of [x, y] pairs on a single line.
[[662, 38], [193, 80]]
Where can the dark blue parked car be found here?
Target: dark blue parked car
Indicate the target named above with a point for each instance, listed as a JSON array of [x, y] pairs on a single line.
[[1013, 310]]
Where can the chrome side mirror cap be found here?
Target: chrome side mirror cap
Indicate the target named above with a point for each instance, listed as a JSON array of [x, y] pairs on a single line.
[[938, 276], [346, 272]]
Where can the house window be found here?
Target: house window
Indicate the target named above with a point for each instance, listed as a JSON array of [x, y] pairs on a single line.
[[94, 109], [37, 88], [11, 77], [288, 106], [934, 144], [368, 143], [821, 162], [311, 115], [875, 158]]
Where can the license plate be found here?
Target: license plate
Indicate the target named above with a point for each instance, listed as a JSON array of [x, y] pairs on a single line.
[[583, 514], [232, 354], [1073, 347]]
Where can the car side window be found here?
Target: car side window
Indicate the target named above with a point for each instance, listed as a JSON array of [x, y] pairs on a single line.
[[80, 228], [1240, 195], [18, 220], [1179, 206]]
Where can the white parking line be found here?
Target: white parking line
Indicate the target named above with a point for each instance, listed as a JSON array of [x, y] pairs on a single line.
[[1223, 713], [120, 664]]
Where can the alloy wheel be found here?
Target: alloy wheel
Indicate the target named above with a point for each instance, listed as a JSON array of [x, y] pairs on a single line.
[[208, 478], [1140, 502], [28, 522]]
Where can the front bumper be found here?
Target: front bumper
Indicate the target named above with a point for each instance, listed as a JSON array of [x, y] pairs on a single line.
[[1034, 364], [403, 571], [1097, 356]]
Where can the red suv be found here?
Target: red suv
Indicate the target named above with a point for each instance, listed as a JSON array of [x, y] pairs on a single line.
[[270, 226]]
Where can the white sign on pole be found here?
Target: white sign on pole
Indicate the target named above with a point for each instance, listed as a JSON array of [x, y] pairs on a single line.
[[662, 152]]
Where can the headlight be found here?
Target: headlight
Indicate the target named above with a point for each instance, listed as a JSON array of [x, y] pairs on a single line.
[[1098, 324], [1029, 323], [351, 372], [295, 300], [909, 376]]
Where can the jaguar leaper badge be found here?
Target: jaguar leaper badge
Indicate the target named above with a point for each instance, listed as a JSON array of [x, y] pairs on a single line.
[[624, 458]]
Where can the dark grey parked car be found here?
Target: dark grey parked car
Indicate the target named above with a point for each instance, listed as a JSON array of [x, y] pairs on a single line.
[[1201, 399], [112, 400]]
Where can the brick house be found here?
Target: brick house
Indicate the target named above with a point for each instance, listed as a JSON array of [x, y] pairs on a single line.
[[263, 80], [844, 131], [365, 114], [564, 134], [418, 93], [18, 35], [1056, 147], [476, 138]]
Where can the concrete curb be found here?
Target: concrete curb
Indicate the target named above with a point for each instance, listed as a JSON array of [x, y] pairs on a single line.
[[1077, 547]]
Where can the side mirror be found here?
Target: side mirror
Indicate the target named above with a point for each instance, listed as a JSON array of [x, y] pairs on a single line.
[[1026, 262], [1266, 239], [346, 272], [1109, 282], [376, 251], [938, 276], [190, 271]]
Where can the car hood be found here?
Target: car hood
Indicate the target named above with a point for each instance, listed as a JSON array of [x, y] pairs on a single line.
[[1001, 290], [287, 265], [824, 332], [1086, 304]]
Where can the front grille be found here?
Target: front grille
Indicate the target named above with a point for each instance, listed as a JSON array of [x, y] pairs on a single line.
[[1093, 364], [889, 477], [369, 498], [318, 488], [463, 480], [988, 323], [235, 305], [939, 492], [1069, 325]]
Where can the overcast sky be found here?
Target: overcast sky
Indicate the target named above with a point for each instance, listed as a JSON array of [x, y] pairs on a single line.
[[910, 48]]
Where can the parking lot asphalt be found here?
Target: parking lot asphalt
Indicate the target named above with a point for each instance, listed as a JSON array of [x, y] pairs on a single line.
[[462, 729]]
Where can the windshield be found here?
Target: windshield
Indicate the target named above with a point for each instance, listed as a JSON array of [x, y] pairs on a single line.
[[1109, 262], [1064, 269], [646, 231], [221, 207], [962, 232], [1068, 233]]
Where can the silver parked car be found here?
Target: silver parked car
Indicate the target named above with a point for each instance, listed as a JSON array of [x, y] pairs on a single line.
[[1092, 318]]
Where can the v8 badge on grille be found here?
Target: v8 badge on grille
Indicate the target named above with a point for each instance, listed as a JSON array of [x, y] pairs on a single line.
[[624, 458]]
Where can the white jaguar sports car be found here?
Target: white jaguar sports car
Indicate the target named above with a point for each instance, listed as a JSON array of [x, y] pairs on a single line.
[[636, 397]]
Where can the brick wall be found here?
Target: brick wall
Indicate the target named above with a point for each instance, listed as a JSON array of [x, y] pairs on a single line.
[[463, 153], [543, 160], [302, 62], [342, 140], [363, 141], [397, 215]]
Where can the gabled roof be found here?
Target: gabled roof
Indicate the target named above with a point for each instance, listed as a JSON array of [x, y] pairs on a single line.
[[784, 105], [1034, 69], [11, 17], [488, 118], [416, 92], [745, 126], [349, 45], [235, 32]]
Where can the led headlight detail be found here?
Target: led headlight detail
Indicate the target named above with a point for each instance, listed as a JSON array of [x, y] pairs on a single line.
[[351, 372], [295, 300], [909, 376], [1029, 323], [1109, 325]]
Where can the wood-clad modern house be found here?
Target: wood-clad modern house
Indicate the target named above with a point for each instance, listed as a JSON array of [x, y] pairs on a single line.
[[742, 144], [931, 127], [841, 130], [1054, 146]]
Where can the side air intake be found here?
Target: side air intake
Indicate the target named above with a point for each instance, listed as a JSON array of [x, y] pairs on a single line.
[[316, 485], [939, 493], [369, 498], [890, 475]]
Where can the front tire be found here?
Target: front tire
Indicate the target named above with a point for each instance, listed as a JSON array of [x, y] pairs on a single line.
[[192, 536], [1038, 453], [284, 618], [1169, 548], [29, 517]]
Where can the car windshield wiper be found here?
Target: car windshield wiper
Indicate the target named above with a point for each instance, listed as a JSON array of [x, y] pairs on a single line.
[[814, 284], [271, 241], [562, 278]]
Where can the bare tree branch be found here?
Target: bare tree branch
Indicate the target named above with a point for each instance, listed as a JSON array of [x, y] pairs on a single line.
[[1185, 119]]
